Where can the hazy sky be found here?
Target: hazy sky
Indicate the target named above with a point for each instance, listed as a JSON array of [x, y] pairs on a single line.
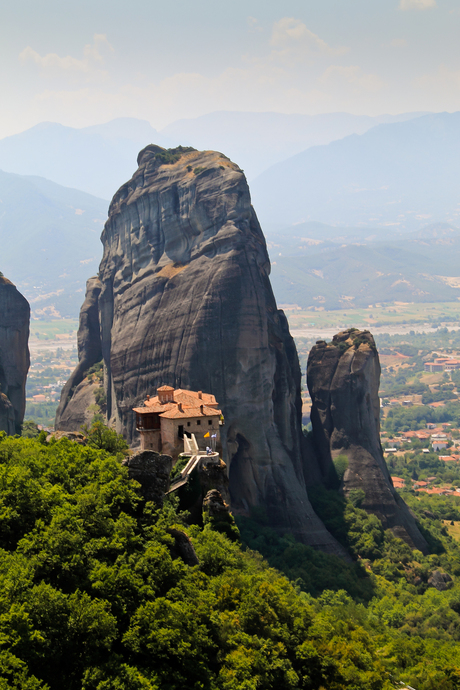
[[86, 62]]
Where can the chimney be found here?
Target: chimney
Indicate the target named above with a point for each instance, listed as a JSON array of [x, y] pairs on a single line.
[[200, 395], [148, 397], [201, 409], [179, 406]]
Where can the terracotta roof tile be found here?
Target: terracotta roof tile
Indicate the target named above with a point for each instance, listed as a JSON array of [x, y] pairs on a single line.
[[190, 402], [191, 412]]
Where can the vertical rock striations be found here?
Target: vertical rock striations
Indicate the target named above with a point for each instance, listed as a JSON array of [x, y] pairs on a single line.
[[343, 379], [186, 301], [14, 356]]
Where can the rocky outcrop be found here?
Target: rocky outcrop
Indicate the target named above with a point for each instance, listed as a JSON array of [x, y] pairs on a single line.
[[214, 505], [217, 515], [214, 477], [193, 488], [441, 581], [74, 436], [152, 471], [14, 356], [182, 548], [7, 416], [343, 379], [89, 353], [84, 407], [186, 301]]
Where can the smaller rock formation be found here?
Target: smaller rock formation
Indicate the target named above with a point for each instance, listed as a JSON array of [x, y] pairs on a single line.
[[215, 478], [183, 547], [441, 581], [217, 515], [343, 379], [14, 356], [152, 471], [84, 406], [77, 388], [205, 474], [74, 436], [7, 416], [214, 505]]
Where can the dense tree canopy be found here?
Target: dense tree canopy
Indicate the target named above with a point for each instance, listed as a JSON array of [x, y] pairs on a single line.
[[93, 594]]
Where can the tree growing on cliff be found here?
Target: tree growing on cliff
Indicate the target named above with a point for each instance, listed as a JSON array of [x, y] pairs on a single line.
[[101, 436]]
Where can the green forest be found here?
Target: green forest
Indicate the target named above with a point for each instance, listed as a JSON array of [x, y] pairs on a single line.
[[94, 595]]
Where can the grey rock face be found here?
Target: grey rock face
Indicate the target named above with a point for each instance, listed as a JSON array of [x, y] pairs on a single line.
[[343, 379], [14, 356], [215, 477], [441, 581], [89, 353], [74, 436], [186, 301], [152, 471], [7, 416], [183, 548], [214, 505], [83, 407]]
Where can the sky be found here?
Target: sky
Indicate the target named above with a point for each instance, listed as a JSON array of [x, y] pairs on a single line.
[[86, 63]]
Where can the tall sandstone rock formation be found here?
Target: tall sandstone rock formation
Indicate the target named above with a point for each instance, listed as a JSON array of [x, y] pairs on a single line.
[[14, 356], [186, 300], [343, 379]]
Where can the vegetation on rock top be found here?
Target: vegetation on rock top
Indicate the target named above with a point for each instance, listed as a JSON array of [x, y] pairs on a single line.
[[170, 156]]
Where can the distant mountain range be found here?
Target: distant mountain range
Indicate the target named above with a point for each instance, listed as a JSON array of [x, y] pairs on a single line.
[[99, 159], [257, 141], [346, 222], [400, 175], [50, 243], [347, 268]]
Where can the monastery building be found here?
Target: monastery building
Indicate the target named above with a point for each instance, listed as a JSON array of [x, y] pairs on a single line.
[[163, 420]]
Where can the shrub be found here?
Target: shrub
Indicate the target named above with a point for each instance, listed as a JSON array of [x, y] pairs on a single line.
[[104, 438]]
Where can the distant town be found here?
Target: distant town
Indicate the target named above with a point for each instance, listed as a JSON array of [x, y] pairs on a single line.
[[53, 355]]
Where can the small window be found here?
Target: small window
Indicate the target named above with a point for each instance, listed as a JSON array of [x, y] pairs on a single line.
[[188, 423], [198, 421], [210, 422]]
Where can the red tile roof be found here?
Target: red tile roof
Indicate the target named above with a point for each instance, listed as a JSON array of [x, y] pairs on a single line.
[[186, 412], [436, 490], [185, 404]]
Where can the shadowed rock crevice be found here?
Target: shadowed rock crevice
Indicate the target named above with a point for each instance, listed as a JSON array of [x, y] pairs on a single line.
[[186, 301], [81, 392], [343, 379]]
